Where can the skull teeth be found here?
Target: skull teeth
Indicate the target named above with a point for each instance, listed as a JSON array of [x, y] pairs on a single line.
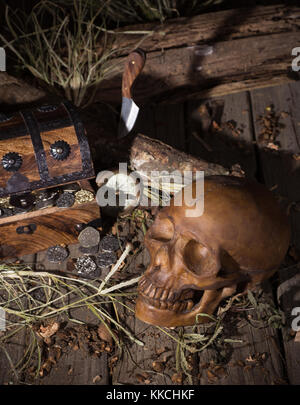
[[165, 298]]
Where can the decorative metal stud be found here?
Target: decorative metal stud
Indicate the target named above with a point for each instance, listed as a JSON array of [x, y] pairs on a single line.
[[60, 150], [12, 162], [47, 108]]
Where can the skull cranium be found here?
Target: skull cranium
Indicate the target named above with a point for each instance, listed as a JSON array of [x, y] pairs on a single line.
[[240, 240]]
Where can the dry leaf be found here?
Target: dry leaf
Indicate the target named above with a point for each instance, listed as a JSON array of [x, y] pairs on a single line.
[[47, 331], [158, 366], [96, 379], [143, 378], [272, 145], [104, 334], [297, 337], [177, 378]]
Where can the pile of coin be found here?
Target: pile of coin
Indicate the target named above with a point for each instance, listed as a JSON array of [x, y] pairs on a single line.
[[62, 197]]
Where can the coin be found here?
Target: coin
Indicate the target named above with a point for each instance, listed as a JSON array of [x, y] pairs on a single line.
[[57, 254], [41, 204], [109, 244], [89, 237], [90, 250], [44, 195], [4, 202], [5, 212], [65, 200], [106, 259], [24, 201], [84, 196], [86, 267], [71, 188]]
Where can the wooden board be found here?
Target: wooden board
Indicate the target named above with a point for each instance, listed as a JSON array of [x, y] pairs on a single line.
[[84, 367], [281, 171], [209, 27], [177, 74], [220, 131]]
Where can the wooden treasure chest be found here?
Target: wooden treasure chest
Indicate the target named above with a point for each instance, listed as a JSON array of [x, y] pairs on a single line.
[[45, 164]]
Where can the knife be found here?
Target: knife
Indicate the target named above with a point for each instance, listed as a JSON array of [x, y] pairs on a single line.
[[134, 65]]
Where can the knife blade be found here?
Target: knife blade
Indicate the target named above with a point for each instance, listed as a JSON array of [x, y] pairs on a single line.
[[134, 65]]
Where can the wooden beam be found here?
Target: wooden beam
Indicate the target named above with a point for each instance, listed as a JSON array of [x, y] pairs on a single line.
[[221, 68], [209, 27]]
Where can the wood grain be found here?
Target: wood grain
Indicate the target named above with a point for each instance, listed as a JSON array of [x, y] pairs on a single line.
[[133, 66], [210, 27], [73, 162], [55, 226], [220, 131], [24, 148], [177, 74], [282, 172]]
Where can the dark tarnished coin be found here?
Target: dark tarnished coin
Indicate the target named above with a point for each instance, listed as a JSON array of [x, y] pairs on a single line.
[[57, 254], [86, 267], [5, 212], [17, 211], [106, 259], [89, 237], [24, 201], [65, 200], [45, 195], [41, 204], [71, 188], [109, 244], [90, 250]]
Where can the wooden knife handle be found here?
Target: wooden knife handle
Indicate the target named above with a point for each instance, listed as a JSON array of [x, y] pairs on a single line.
[[133, 67]]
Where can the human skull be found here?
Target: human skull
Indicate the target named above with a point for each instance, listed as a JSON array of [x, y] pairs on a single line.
[[239, 240]]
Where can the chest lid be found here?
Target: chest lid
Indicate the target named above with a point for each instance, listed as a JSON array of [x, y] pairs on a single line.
[[42, 148]]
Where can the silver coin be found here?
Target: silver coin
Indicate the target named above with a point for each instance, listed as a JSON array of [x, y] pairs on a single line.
[[41, 204], [5, 212], [65, 200], [109, 244], [89, 237], [90, 250], [86, 267], [71, 188], [106, 259], [57, 254]]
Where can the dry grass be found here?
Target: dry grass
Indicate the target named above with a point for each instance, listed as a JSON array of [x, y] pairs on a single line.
[[61, 48]]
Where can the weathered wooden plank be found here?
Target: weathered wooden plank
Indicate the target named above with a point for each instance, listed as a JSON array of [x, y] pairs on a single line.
[[84, 367], [16, 346], [281, 171], [229, 66], [210, 27], [163, 122], [220, 131], [254, 361]]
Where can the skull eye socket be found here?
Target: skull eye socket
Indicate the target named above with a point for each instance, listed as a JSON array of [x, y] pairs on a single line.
[[194, 256], [162, 230]]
